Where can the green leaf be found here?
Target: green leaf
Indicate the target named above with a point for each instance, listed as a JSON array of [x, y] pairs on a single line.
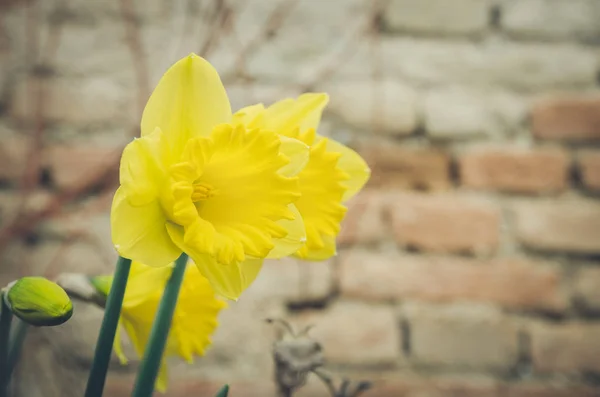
[[224, 392]]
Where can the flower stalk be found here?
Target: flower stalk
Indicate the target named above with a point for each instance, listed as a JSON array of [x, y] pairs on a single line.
[[148, 372], [5, 321], [108, 329]]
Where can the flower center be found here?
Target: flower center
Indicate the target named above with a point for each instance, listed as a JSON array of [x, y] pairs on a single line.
[[202, 191]]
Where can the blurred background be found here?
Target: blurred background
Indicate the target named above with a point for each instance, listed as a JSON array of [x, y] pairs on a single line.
[[469, 266]]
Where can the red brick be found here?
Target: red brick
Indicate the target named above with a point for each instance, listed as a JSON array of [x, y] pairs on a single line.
[[548, 390], [466, 336], [364, 221], [355, 333], [445, 223], [585, 288], [559, 226], [589, 168], [121, 386], [566, 118], [515, 170], [516, 283], [570, 348], [395, 166], [72, 165]]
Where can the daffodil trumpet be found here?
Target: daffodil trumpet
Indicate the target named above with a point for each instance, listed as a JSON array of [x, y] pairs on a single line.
[[108, 330]]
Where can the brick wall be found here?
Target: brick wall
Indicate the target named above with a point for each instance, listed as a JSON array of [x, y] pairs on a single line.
[[469, 265]]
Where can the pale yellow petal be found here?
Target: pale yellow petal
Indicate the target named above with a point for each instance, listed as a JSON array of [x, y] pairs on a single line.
[[298, 153], [295, 239], [250, 269], [139, 233], [289, 115], [188, 101], [353, 165]]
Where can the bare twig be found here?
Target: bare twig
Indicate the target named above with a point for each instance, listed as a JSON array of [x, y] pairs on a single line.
[[132, 34], [274, 22]]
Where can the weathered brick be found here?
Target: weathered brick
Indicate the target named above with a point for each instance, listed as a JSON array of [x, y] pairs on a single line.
[[511, 282], [472, 336], [551, 19], [570, 348], [445, 223], [559, 226], [572, 118], [72, 165], [292, 280], [388, 106], [526, 67], [513, 169], [93, 100], [370, 333], [589, 169], [13, 154], [399, 167], [243, 321], [457, 113], [585, 288], [464, 17], [295, 53], [364, 221]]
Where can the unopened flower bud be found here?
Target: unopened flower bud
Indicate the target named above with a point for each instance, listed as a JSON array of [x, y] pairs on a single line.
[[38, 301]]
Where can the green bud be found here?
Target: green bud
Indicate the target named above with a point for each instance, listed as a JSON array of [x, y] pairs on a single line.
[[38, 301], [102, 284]]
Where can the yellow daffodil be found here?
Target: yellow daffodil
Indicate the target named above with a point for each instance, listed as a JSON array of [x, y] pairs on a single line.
[[333, 174], [194, 320], [195, 182]]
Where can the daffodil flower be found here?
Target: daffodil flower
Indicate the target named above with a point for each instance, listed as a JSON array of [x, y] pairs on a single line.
[[333, 175], [196, 182], [194, 320]]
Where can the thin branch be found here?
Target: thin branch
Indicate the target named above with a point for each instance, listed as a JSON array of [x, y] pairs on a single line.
[[132, 36]]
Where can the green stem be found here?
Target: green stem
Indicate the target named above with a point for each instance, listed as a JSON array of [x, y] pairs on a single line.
[[5, 320], [106, 338], [17, 337], [146, 378]]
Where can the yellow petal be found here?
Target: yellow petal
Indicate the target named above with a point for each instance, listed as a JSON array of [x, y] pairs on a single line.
[[163, 378], [289, 115], [295, 238], [227, 280], [118, 346], [142, 167], [250, 116], [188, 101], [298, 153], [139, 233], [318, 254], [353, 165], [320, 203], [143, 281]]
